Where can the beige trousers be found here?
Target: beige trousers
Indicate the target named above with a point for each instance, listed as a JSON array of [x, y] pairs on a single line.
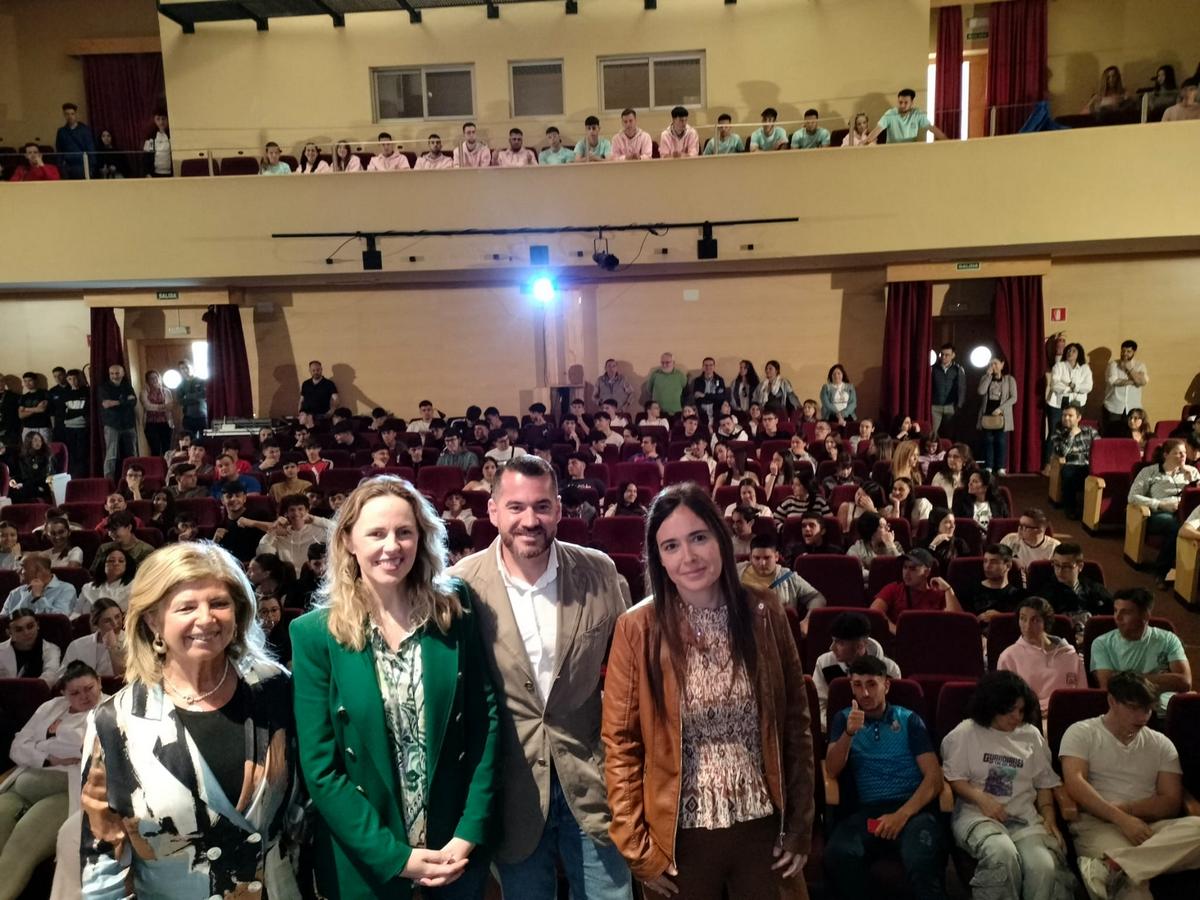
[[1174, 847]]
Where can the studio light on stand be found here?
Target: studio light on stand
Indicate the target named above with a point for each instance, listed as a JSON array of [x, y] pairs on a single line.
[[601, 256]]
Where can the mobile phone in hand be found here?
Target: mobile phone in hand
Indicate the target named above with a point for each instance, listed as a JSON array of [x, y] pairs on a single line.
[[872, 826]]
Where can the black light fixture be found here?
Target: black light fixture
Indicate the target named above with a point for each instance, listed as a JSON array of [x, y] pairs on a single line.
[[372, 256], [601, 256], [651, 4], [493, 11], [706, 247], [572, 7]]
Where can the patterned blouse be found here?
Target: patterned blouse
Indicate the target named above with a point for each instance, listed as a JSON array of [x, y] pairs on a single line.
[[723, 780], [403, 690]]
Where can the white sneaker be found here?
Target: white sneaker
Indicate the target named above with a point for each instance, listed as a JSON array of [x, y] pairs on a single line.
[[1095, 877]]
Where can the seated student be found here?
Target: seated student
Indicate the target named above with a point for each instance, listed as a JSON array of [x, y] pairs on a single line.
[[455, 454], [291, 484], [577, 464], [381, 458], [618, 416], [813, 538], [121, 534], [227, 474], [748, 496], [434, 158], [771, 429], [275, 630], [592, 147], [134, 480], [115, 503], [741, 523], [850, 634], [179, 454], [1158, 488], [26, 654], [653, 416], [603, 423], [10, 547], [1188, 106], [804, 500], [388, 159], [516, 155], [577, 505], [186, 529], [237, 533], [1045, 661], [458, 547], [35, 169], [725, 141], [940, 539], [931, 452], [457, 510], [626, 503], [697, 451], [905, 504], [344, 437], [296, 529], [471, 153], [868, 498], [769, 136], [29, 479], [186, 486], [981, 502], [915, 589], [270, 576], [111, 576], [311, 573], [1072, 443], [486, 481], [270, 461], [631, 142], [314, 462], [679, 138], [197, 454], [1128, 783], [537, 429], [40, 589], [861, 442], [875, 538], [1030, 541], [764, 572], [232, 448], [959, 465], [311, 162], [162, 512], [889, 754], [271, 163], [842, 474], [1071, 594], [810, 135], [998, 765], [103, 648], [1137, 646], [421, 425], [996, 593], [554, 153], [905, 123], [728, 430], [60, 553]]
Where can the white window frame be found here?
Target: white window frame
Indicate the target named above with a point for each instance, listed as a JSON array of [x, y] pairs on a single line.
[[512, 94], [650, 59], [469, 68]]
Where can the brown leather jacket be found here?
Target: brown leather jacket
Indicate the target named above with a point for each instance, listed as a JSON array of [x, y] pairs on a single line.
[[643, 758]]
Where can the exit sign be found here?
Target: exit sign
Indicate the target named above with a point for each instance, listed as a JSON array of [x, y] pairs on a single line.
[[967, 266], [1058, 314], [167, 295]]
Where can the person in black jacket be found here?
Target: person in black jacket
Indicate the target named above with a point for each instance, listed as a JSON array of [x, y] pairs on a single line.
[[708, 389], [948, 385], [118, 405], [1070, 593]]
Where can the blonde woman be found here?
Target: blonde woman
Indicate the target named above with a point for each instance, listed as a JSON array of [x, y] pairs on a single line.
[[906, 461], [860, 131], [395, 709], [189, 786]]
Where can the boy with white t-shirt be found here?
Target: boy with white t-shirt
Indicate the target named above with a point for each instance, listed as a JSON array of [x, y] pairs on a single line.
[[1128, 783]]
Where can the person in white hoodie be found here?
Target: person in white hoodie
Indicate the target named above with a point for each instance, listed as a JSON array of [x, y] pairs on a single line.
[[295, 531], [851, 638], [1047, 663]]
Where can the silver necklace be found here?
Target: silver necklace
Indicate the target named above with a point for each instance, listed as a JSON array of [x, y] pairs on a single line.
[[193, 699]]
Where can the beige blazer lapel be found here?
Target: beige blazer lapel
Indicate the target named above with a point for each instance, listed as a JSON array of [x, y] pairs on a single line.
[[499, 627], [571, 593]]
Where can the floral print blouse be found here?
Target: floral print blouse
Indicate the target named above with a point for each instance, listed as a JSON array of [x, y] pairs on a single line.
[[402, 687]]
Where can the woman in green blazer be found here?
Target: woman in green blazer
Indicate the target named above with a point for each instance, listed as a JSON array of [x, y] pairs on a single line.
[[395, 711]]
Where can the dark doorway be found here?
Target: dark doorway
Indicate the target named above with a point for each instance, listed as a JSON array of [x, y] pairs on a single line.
[[967, 321]]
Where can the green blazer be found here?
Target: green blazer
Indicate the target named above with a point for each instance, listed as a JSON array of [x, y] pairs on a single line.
[[347, 762]]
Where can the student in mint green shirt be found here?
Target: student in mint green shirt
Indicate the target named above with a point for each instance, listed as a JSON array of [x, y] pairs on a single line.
[[556, 154], [1137, 646], [725, 141], [904, 123], [811, 135], [770, 135], [272, 164], [593, 148]]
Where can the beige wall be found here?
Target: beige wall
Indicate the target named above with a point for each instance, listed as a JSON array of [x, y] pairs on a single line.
[[40, 332], [230, 85], [36, 74]]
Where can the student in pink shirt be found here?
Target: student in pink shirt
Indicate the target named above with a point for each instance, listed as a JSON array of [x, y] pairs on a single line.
[[631, 142], [435, 158], [680, 139], [1046, 662], [516, 154], [344, 159], [471, 153], [388, 159]]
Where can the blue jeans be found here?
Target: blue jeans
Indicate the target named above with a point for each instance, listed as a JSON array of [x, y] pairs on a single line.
[[995, 448], [922, 848], [119, 444], [593, 872], [1167, 525]]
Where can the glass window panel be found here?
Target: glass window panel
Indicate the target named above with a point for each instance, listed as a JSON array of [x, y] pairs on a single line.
[[677, 82], [537, 89], [398, 94], [449, 93], [626, 84]]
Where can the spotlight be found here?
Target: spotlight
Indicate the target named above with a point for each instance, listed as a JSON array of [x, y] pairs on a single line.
[[706, 247], [543, 289], [372, 257], [601, 256], [981, 356]]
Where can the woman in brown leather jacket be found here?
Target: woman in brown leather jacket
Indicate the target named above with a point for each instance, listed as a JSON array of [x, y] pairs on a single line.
[[708, 754]]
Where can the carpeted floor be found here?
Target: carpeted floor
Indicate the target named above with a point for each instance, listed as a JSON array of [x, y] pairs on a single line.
[[1030, 490]]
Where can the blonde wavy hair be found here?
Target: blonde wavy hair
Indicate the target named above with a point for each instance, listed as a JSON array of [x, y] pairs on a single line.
[[904, 461], [342, 591], [158, 576]]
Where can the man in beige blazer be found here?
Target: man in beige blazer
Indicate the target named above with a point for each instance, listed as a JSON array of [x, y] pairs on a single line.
[[547, 612]]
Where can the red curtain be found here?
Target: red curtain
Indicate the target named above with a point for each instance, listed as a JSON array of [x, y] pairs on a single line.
[[1017, 52], [123, 90], [228, 368], [107, 349], [907, 339], [1020, 332], [948, 87]]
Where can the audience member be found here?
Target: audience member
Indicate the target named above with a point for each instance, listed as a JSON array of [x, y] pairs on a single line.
[[112, 573], [434, 158], [1165, 91], [741, 392], [725, 141], [941, 539], [157, 148], [679, 138], [592, 147], [158, 401], [948, 386], [709, 390], [186, 486], [111, 163], [35, 169], [344, 158], [905, 504], [850, 634], [764, 572], [996, 418], [839, 400], [192, 399], [471, 153], [931, 452], [627, 503], [859, 134], [103, 648], [296, 529], [813, 539], [875, 538], [74, 143], [768, 136], [118, 405], [666, 385], [1137, 646], [915, 590], [1159, 488], [388, 159], [33, 408], [271, 162], [1045, 661], [1030, 542], [555, 154], [1070, 383], [1070, 593], [1072, 443], [1188, 107], [74, 412], [1128, 783], [981, 501], [888, 752], [516, 154], [741, 524], [1112, 95], [121, 533], [1138, 427], [1123, 382], [26, 654], [318, 395], [868, 498], [803, 501], [40, 589], [997, 593], [60, 553], [29, 480], [775, 390], [998, 765], [811, 135], [270, 576], [10, 547], [631, 142], [612, 385], [311, 162], [905, 123]]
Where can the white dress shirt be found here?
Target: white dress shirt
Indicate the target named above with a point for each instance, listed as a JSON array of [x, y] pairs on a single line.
[[535, 609]]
